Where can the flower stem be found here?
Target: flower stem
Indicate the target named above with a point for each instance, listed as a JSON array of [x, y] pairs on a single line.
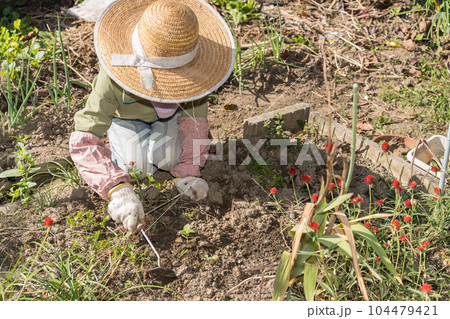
[[353, 149], [309, 192], [389, 164], [293, 187]]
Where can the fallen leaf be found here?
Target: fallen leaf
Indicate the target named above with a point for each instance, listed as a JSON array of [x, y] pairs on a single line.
[[415, 72], [364, 126], [30, 35], [409, 45], [423, 26], [230, 107], [370, 60], [284, 54], [304, 14]]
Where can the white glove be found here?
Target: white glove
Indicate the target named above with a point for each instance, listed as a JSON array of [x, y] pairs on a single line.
[[125, 207], [194, 187]]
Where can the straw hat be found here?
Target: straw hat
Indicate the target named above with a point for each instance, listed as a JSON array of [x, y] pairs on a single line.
[[166, 51]]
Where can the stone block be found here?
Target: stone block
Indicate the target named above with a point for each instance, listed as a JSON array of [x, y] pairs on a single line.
[[254, 126]]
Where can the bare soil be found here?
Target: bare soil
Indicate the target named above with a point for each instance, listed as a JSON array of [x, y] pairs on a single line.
[[238, 222]]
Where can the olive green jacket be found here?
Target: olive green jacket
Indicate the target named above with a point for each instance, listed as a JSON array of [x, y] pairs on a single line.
[[109, 100]]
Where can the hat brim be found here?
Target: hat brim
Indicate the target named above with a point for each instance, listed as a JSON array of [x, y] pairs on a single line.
[[210, 68]]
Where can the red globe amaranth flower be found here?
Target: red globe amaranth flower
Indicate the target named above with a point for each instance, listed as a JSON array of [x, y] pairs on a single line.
[[420, 248], [131, 163], [426, 288], [408, 203], [380, 202], [398, 189], [413, 184], [404, 237], [378, 259], [385, 147], [368, 225], [434, 169], [273, 190], [407, 219], [375, 228], [332, 187], [354, 200], [369, 179], [386, 244], [315, 197], [396, 183], [329, 147], [425, 243], [306, 178], [340, 184], [292, 171], [359, 199], [395, 222], [437, 190], [314, 226], [48, 221]]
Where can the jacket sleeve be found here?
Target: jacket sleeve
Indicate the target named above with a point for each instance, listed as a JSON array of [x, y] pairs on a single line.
[[89, 154], [93, 160]]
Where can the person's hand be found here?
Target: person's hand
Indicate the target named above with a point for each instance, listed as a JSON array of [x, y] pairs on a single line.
[[125, 207], [194, 187]]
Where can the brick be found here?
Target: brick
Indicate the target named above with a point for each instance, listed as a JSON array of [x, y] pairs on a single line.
[[400, 169], [254, 126]]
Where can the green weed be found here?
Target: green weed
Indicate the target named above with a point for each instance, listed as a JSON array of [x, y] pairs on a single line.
[[19, 41], [17, 96], [53, 90], [67, 172], [439, 31], [80, 273], [187, 232], [275, 127], [87, 220], [24, 188], [240, 11], [431, 97]]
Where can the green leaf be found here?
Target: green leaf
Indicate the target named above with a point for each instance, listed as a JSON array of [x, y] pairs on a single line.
[[327, 288], [17, 24], [282, 277], [310, 280], [17, 173], [306, 253], [367, 234], [334, 242], [340, 245], [335, 203]]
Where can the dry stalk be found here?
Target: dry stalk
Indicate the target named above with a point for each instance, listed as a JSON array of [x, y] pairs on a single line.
[[330, 172], [343, 178], [308, 213], [351, 241], [247, 280]]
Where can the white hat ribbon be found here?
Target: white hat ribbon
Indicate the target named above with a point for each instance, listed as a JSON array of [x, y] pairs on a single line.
[[145, 64]]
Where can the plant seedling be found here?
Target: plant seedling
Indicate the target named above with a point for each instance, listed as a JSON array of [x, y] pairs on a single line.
[[187, 233]]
